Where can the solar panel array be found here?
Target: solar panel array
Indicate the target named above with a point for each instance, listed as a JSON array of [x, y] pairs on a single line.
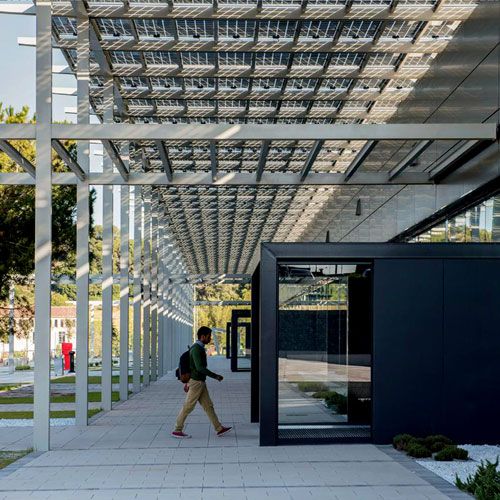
[[256, 61]]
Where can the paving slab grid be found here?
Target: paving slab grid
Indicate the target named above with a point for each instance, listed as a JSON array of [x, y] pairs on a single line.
[[128, 453]]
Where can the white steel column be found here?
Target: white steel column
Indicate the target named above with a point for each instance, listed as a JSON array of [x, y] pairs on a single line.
[[161, 295], [82, 223], [154, 287], [12, 324], [136, 376], [146, 316], [107, 262], [168, 324], [43, 225], [124, 290]]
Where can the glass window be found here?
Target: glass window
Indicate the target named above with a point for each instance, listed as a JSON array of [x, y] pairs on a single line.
[[480, 223]]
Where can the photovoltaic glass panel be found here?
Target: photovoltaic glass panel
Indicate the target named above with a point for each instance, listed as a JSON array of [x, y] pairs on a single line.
[[114, 28]]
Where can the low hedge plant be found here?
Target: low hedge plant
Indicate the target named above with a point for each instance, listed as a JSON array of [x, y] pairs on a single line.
[[312, 386], [400, 441], [450, 453], [335, 401], [438, 439], [417, 450], [442, 448]]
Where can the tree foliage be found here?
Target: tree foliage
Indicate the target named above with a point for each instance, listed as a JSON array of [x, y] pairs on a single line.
[[24, 318], [215, 316], [17, 213]]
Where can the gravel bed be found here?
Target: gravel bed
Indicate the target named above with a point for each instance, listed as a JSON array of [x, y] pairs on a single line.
[[463, 468], [27, 422]]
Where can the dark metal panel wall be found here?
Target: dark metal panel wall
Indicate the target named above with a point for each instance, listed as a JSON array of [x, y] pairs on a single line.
[[436, 336], [228, 340], [407, 347], [254, 376], [269, 353], [471, 396]]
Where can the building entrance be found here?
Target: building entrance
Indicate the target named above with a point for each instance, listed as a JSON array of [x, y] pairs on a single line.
[[324, 351]]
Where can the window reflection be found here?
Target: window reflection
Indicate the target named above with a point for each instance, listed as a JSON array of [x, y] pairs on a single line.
[[479, 224]]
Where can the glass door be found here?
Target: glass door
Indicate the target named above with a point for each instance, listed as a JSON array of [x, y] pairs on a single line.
[[324, 350], [244, 346]]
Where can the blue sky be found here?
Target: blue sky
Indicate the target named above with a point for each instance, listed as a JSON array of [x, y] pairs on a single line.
[[17, 82]]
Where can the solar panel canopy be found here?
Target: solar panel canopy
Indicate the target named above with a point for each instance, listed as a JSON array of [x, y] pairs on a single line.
[[290, 62]]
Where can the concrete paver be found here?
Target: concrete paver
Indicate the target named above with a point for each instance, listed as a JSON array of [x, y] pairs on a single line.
[[129, 453]]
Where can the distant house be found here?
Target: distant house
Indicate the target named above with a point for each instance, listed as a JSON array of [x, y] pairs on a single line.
[[62, 329]]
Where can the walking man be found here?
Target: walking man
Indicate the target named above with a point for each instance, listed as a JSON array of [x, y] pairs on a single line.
[[197, 387]]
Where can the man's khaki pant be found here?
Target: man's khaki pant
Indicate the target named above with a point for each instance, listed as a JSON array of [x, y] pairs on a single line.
[[197, 392]]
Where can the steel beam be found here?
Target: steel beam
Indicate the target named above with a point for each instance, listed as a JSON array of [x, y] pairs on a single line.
[[313, 154], [248, 132], [17, 157], [213, 159], [229, 179], [262, 160], [256, 132], [67, 158], [456, 158], [360, 158], [409, 159], [116, 159], [256, 11], [18, 131], [167, 166]]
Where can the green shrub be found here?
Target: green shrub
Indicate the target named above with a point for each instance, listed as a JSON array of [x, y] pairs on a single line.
[[400, 441], [450, 453], [438, 438], [437, 446], [461, 454], [484, 484], [312, 386], [23, 367], [420, 441], [417, 450], [447, 454], [321, 394], [337, 402]]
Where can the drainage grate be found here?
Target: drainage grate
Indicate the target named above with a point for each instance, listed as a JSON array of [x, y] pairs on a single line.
[[333, 433]]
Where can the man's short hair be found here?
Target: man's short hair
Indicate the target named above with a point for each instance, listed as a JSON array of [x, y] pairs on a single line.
[[204, 331]]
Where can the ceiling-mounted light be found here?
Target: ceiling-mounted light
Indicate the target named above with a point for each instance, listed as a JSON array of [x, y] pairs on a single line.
[[358, 207]]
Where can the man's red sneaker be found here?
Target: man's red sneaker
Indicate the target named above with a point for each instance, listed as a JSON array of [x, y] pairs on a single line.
[[223, 431], [180, 435]]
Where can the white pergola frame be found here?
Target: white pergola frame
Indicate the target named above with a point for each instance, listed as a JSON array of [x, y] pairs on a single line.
[[162, 309]]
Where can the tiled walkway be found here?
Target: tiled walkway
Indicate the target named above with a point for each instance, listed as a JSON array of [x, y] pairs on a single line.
[[128, 453]]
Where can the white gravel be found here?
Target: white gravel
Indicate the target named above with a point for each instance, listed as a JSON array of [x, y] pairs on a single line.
[[27, 422], [462, 468]]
